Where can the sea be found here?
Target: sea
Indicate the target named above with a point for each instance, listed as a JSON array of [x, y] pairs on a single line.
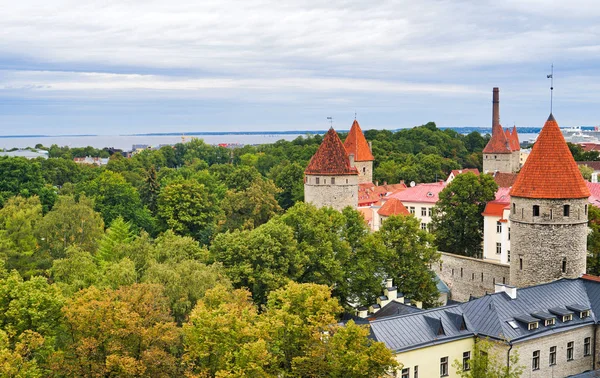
[[126, 142]]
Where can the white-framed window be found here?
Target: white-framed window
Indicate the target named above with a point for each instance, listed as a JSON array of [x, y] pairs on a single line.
[[466, 361], [586, 346], [532, 326], [567, 318], [424, 226], [508, 255], [429, 211], [423, 211], [405, 373], [498, 227], [549, 322], [416, 371], [535, 361], [584, 314], [570, 350], [552, 357], [412, 209], [443, 366], [498, 248]]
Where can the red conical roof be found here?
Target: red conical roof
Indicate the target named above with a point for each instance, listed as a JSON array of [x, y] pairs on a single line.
[[357, 144], [393, 206], [550, 171], [515, 144], [498, 144], [330, 158]]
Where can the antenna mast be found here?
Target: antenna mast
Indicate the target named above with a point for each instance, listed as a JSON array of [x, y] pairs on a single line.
[[551, 77]]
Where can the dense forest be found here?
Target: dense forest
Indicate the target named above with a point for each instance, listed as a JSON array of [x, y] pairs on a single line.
[[203, 261]]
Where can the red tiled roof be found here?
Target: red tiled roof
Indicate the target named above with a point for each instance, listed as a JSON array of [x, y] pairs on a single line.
[[590, 146], [515, 145], [457, 172], [550, 170], [393, 206], [330, 158], [504, 179], [367, 213], [502, 195], [590, 277], [427, 193], [498, 144], [369, 194], [494, 208], [594, 188], [595, 165], [357, 144]]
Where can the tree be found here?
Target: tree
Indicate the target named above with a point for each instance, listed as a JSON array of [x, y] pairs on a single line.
[[118, 234], [249, 208], [189, 209], [289, 177], [586, 172], [76, 271], [18, 219], [70, 223], [345, 352], [150, 189], [57, 172], [487, 362], [19, 176], [593, 244], [408, 251], [457, 219], [114, 197], [22, 359], [124, 332]]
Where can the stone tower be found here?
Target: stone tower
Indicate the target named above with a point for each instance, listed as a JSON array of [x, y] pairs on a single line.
[[330, 179], [548, 213], [359, 153], [502, 151]]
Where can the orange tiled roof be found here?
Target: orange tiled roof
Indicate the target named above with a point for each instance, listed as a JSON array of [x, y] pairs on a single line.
[[515, 145], [498, 144], [505, 179], [590, 277], [357, 144], [393, 206], [330, 158], [494, 208], [550, 171], [369, 194]]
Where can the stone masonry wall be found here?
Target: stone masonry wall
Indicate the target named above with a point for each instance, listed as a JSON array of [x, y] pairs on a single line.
[[562, 368], [497, 162], [516, 161], [466, 276], [367, 176], [541, 243], [339, 195]]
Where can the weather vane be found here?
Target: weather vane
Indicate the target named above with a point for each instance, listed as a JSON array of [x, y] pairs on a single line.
[[330, 121], [355, 115], [551, 77]]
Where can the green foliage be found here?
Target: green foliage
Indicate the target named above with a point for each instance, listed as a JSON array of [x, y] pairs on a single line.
[[189, 209], [593, 241], [22, 360], [150, 189], [19, 176], [289, 177], [580, 155], [586, 172], [487, 361], [76, 271], [457, 219], [118, 234]]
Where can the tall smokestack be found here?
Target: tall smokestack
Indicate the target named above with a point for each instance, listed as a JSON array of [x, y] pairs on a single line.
[[496, 109]]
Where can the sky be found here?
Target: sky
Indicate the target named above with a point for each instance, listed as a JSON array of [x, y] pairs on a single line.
[[130, 66]]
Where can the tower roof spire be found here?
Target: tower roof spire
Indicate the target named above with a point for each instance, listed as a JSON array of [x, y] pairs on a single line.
[[550, 171], [330, 158], [357, 144]]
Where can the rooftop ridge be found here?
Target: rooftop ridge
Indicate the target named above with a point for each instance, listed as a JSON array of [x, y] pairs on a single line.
[[550, 171], [330, 158], [357, 144], [498, 143]]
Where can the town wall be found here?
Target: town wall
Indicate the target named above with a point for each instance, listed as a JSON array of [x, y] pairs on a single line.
[[516, 161], [541, 243], [467, 276], [344, 192], [498, 162], [365, 171]]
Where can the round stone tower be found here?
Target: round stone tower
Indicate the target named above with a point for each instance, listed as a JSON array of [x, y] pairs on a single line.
[[330, 179], [359, 152], [548, 214]]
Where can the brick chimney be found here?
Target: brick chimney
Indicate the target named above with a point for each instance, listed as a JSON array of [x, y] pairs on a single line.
[[496, 108]]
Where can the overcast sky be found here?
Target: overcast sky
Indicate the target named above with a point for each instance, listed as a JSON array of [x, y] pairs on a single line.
[[134, 66]]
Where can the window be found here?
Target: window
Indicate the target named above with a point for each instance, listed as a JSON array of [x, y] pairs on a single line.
[[552, 358], [498, 227], [461, 272], [440, 266], [424, 226], [584, 314], [429, 211], [364, 170], [498, 248], [536, 211], [567, 318], [443, 366], [452, 272], [416, 373], [564, 265], [346, 181], [550, 213], [466, 360], [514, 208], [423, 211], [406, 373], [333, 181], [317, 180], [586, 346], [412, 209], [532, 326], [570, 351], [549, 322], [520, 263], [535, 362], [508, 255], [472, 276], [509, 233], [585, 210], [566, 210]]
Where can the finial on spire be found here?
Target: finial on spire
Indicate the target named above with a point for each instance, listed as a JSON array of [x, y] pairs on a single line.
[[355, 115], [551, 77], [330, 119]]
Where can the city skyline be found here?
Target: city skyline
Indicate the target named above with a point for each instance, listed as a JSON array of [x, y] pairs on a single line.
[[147, 67]]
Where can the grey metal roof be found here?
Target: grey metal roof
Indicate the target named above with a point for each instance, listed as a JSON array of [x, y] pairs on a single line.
[[578, 308], [490, 314], [587, 374], [560, 311], [394, 308], [543, 315]]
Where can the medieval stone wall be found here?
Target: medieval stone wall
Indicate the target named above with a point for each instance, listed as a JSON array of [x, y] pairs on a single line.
[[466, 276], [515, 161], [365, 171], [335, 191], [550, 245], [497, 162]]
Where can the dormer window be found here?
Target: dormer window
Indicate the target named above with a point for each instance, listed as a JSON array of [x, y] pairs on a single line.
[[567, 318], [584, 314], [532, 326], [549, 322]]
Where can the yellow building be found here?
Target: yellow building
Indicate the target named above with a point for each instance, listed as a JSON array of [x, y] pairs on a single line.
[[435, 360]]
